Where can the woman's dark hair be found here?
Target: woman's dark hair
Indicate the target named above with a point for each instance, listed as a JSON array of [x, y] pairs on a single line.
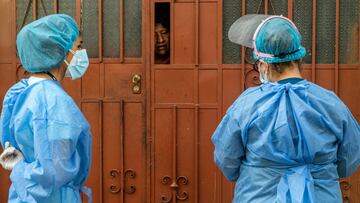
[[280, 67], [162, 14]]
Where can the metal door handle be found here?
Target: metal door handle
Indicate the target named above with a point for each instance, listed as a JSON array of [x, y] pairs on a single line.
[[136, 82]]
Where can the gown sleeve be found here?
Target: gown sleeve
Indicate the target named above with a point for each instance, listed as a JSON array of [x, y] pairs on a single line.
[[56, 161], [229, 149], [349, 147]]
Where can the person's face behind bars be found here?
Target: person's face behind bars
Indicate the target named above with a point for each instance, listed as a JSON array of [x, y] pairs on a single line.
[[162, 42]]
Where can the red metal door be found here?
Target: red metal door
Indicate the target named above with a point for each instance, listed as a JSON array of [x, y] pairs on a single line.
[[111, 94], [207, 73], [186, 105]]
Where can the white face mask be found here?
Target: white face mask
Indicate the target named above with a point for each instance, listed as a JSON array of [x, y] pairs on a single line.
[[78, 64]]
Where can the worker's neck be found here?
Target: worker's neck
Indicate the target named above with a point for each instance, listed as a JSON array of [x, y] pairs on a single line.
[[55, 72], [292, 72]]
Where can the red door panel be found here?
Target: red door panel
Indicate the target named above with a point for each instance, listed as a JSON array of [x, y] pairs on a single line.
[[184, 33]]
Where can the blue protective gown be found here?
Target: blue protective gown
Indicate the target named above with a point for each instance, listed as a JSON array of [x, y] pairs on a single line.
[[287, 143], [41, 120]]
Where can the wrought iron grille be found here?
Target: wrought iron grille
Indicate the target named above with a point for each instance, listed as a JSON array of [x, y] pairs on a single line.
[[231, 52], [303, 20], [302, 14], [349, 32], [21, 7], [278, 7], [49, 8], [325, 32], [90, 27], [68, 7], [132, 28], [111, 28]]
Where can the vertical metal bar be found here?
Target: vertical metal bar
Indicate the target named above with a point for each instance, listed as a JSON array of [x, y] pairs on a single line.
[[147, 23], [152, 40], [100, 30], [196, 196], [13, 36], [337, 16], [152, 89], [197, 13], [102, 80], [56, 6], [101, 106], [243, 12], [122, 145], [172, 31], [78, 21], [78, 13], [174, 139], [290, 9], [220, 29], [197, 16], [34, 9], [313, 55], [217, 175], [266, 9], [121, 31]]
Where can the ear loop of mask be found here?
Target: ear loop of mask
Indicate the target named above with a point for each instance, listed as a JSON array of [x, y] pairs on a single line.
[[73, 53]]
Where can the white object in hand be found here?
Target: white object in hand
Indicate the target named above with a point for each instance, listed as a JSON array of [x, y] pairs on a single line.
[[10, 157]]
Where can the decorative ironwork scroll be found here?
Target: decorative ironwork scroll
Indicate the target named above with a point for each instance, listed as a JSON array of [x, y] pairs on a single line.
[[345, 186], [130, 174], [252, 78], [174, 185], [114, 173], [114, 188]]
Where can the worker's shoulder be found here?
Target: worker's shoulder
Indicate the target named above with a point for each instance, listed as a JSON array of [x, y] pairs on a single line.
[[50, 91], [322, 90], [247, 99], [318, 93]]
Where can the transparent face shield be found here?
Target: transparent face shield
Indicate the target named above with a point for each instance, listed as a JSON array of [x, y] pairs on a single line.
[[245, 30], [242, 30]]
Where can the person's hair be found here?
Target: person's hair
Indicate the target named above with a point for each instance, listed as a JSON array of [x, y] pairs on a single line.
[[280, 67], [162, 15]]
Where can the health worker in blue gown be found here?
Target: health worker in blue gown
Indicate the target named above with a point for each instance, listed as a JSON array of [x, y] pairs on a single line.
[[45, 137], [287, 140]]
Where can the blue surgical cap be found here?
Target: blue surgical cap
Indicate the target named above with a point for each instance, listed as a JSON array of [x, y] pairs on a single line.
[[279, 38], [44, 43]]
